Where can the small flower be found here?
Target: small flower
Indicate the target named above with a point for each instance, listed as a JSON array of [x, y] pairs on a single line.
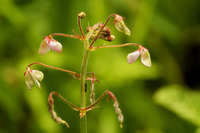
[[120, 25], [48, 43], [145, 56], [32, 78]]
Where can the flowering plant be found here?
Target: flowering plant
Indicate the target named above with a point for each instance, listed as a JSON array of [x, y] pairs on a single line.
[[97, 31]]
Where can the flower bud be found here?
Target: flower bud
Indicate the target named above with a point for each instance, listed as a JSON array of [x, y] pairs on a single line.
[[145, 57], [32, 78], [120, 25], [82, 15], [48, 43]]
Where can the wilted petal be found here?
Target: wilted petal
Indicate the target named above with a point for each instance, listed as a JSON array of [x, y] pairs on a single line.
[[120, 25], [145, 57], [44, 48], [55, 45], [132, 57]]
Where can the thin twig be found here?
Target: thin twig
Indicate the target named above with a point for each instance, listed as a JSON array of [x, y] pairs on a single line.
[[60, 69], [74, 107], [80, 27], [117, 46], [66, 35]]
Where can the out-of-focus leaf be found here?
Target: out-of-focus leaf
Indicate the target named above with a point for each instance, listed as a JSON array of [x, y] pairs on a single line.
[[183, 102]]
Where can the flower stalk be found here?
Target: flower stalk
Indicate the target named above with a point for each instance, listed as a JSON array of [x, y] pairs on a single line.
[[97, 31]]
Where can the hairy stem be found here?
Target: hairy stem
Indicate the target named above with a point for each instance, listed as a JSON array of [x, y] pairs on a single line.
[[83, 121]]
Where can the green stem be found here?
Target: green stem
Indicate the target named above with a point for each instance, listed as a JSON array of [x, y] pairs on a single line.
[[83, 121]]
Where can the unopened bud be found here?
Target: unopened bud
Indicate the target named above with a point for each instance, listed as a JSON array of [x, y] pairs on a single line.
[[82, 15], [120, 25]]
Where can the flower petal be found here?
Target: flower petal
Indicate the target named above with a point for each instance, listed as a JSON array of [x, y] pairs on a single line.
[[37, 75], [132, 57], [55, 45], [145, 57]]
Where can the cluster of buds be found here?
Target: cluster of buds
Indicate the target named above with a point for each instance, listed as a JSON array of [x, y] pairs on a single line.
[[48, 43], [105, 33]]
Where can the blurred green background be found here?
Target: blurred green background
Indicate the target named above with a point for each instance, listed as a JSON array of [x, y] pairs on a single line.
[[162, 99]]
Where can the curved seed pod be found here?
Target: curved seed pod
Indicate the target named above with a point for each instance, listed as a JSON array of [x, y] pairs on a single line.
[[56, 118]]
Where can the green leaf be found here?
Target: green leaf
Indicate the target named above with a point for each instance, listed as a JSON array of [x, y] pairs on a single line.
[[185, 103]]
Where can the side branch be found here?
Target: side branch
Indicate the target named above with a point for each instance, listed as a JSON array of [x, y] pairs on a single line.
[[66, 35], [74, 74], [115, 105], [56, 118], [74, 107], [116, 46], [108, 19]]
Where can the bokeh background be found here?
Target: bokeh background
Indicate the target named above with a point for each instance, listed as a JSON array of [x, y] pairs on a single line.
[[162, 99]]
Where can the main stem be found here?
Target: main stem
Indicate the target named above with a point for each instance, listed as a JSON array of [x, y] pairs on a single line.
[[83, 120]]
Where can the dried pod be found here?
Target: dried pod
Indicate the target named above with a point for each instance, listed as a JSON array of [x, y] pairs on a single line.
[[56, 118]]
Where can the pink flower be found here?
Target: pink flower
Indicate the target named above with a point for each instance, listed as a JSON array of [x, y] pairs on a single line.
[[48, 43], [145, 56]]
